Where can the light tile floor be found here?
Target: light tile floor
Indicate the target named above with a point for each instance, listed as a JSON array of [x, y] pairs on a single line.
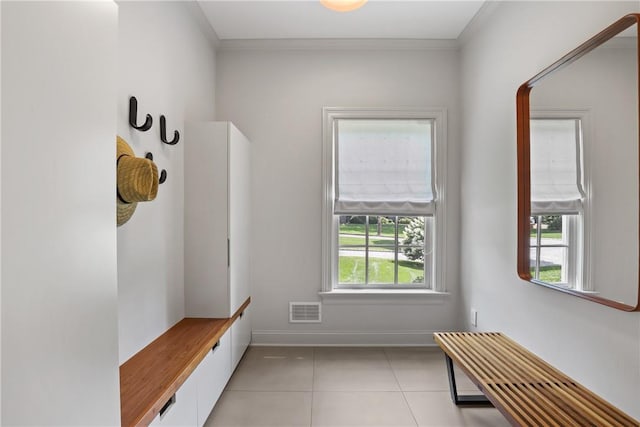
[[350, 387]]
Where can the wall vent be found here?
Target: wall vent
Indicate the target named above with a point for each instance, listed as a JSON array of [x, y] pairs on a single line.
[[305, 312]]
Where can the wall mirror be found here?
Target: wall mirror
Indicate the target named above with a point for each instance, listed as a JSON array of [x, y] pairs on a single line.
[[578, 171]]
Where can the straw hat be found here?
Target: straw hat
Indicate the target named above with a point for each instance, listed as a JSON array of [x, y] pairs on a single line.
[[137, 181]]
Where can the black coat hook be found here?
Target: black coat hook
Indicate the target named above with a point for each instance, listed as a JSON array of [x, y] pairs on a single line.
[[133, 114], [163, 132], [163, 173]]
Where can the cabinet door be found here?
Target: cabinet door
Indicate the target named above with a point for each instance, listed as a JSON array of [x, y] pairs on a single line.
[[239, 170], [240, 337], [181, 410], [205, 219], [212, 376]]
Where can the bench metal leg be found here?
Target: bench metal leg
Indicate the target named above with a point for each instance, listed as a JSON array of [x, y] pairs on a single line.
[[470, 400]]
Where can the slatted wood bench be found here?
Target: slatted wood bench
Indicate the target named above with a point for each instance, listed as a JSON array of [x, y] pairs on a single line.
[[524, 388]]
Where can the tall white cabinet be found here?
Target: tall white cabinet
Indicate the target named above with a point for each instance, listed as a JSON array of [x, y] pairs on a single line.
[[217, 219]]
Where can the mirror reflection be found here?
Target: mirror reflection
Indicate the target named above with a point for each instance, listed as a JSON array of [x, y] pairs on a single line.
[[583, 135]]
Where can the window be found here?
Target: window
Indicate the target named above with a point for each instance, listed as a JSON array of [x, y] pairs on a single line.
[[553, 252], [383, 204], [557, 201], [384, 251]]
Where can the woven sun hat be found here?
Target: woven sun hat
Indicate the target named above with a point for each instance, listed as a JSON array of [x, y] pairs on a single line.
[[137, 181]]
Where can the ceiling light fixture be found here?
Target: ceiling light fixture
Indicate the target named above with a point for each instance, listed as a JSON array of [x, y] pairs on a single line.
[[343, 5]]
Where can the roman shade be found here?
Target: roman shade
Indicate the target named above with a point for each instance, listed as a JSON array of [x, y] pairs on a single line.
[[384, 167], [556, 167]]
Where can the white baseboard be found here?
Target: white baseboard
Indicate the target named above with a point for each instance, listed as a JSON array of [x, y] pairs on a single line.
[[342, 338]]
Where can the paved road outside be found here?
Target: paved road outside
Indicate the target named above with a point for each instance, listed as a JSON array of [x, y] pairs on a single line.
[[372, 252]]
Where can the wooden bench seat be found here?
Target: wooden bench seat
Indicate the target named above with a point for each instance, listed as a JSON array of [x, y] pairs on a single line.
[[524, 388], [155, 373]]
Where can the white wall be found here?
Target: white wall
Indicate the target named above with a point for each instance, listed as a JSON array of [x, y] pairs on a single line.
[[59, 282], [274, 93], [0, 219], [167, 61], [595, 344]]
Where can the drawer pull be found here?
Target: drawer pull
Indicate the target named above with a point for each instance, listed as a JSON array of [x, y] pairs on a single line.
[[167, 405], [216, 345]]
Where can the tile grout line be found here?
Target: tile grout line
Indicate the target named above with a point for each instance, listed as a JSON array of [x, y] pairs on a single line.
[[395, 377], [404, 397]]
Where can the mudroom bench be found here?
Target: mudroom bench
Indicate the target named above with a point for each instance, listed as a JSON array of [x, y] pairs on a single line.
[[177, 379], [524, 388]]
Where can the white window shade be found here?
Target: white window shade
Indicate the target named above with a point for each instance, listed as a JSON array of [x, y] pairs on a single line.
[[384, 167], [556, 172]]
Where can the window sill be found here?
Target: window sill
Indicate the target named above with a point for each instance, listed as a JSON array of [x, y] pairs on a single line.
[[383, 296]]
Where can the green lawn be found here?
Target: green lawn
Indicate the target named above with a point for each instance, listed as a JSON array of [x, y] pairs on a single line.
[[380, 270], [550, 274], [388, 230], [548, 234]]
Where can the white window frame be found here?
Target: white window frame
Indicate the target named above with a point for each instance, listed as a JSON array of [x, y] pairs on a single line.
[[330, 241], [572, 229], [579, 227]]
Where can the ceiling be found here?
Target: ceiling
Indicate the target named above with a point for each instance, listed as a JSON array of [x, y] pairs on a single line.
[[308, 19]]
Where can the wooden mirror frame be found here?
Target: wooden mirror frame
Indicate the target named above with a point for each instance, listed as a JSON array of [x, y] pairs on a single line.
[[523, 137]]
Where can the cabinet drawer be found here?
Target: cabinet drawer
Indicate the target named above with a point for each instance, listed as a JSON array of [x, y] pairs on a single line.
[[240, 337], [212, 375], [181, 409]]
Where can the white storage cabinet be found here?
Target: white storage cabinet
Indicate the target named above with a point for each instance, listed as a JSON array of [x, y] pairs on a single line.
[[182, 409], [212, 375], [240, 337], [217, 219], [194, 400]]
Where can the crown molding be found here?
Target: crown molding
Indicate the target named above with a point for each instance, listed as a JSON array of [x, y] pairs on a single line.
[[479, 19], [203, 23], [338, 44]]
